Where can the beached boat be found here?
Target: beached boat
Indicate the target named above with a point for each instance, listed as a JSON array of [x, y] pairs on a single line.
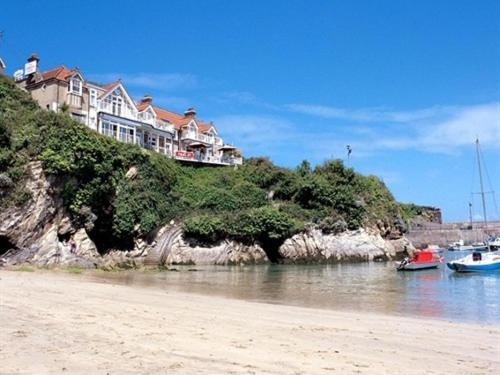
[[476, 261], [420, 260]]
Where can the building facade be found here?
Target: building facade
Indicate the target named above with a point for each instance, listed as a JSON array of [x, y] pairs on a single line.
[[109, 110]]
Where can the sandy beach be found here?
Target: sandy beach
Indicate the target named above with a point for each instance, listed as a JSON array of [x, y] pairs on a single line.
[[54, 323]]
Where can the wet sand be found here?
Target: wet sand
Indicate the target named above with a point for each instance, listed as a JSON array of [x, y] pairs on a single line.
[[55, 323]]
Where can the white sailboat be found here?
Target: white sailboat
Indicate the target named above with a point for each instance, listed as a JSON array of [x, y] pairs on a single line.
[[479, 261]]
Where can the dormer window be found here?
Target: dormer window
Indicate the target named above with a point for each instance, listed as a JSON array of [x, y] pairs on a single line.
[[75, 86]]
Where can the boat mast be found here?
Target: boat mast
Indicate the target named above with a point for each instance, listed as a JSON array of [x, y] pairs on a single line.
[[481, 184]]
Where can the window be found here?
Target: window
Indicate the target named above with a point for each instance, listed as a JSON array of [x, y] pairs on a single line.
[[123, 134], [116, 105], [78, 117], [75, 86], [107, 128], [93, 98]]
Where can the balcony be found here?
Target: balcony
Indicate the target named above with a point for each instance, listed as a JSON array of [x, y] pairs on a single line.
[[208, 159], [117, 110], [163, 126], [193, 136], [74, 100]]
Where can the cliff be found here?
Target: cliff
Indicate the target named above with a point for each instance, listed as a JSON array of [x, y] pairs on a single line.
[[69, 196]]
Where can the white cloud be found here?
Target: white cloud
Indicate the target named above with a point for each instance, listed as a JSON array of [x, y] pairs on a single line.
[[159, 81], [462, 128], [435, 129], [256, 131], [369, 114]]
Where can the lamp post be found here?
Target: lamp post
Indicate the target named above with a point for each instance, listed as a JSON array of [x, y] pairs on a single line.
[[349, 152]]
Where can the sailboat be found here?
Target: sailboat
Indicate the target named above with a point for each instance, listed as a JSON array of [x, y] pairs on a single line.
[[479, 261]]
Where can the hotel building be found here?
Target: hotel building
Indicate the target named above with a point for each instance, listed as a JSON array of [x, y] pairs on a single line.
[[109, 110]]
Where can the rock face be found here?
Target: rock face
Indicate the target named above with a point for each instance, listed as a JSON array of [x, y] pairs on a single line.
[[42, 234], [35, 230], [360, 245], [172, 248]]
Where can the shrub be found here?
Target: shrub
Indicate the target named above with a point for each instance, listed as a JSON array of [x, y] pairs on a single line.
[[263, 224], [206, 228]]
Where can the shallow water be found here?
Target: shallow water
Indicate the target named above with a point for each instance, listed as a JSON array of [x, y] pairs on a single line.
[[364, 287]]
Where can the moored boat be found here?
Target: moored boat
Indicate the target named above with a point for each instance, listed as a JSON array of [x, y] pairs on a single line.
[[494, 243], [476, 261], [421, 260]]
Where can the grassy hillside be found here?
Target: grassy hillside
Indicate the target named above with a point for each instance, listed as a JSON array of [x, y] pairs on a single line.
[[256, 202]]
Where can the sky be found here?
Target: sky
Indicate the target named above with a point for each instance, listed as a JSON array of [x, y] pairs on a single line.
[[409, 85]]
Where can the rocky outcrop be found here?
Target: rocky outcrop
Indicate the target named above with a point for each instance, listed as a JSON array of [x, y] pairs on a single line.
[[360, 245], [40, 233], [24, 226], [172, 249]]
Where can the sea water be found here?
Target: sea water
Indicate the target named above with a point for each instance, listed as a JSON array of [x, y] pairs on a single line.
[[363, 287]]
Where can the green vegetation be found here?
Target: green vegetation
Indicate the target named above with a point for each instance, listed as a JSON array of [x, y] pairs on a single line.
[[24, 269], [255, 202]]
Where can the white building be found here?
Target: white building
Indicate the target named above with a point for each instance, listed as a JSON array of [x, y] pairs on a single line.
[[109, 110]]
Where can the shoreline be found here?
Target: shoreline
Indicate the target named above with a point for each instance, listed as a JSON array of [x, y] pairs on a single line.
[[55, 322]]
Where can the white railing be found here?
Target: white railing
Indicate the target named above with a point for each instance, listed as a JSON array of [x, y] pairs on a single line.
[[164, 127], [232, 160], [197, 137], [107, 107], [218, 141]]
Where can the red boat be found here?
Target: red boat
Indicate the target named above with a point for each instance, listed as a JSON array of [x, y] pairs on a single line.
[[421, 260]]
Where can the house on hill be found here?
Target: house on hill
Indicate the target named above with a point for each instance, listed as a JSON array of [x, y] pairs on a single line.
[[109, 110]]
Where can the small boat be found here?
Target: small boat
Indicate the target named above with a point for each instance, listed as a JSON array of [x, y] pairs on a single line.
[[494, 243], [421, 260], [476, 261], [460, 246]]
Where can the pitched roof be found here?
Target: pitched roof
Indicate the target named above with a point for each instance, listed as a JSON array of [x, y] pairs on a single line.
[[60, 73], [2, 64], [178, 120], [141, 106], [109, 87], [174, 118]]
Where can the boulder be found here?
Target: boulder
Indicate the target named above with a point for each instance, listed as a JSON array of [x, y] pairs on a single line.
[[360, 245]]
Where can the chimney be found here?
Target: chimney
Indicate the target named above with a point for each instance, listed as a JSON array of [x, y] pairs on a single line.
[[34, 57], [31, 70], [190, 112], [147, 99]]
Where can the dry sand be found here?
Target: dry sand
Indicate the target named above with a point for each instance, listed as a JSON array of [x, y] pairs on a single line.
[[56, 323]]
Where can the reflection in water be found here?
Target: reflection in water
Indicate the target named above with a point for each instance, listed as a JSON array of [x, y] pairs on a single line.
[[370, 287]]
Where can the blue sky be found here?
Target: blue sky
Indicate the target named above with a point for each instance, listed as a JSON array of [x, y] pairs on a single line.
[[408, 84]]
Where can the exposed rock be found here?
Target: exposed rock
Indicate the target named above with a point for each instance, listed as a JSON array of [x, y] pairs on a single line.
[[360, 245], [34, 229], [65, 227], [172, 248], [25, 225], [42, 234], [225, 253], [131, 173], [84, 246], [123, 259]]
